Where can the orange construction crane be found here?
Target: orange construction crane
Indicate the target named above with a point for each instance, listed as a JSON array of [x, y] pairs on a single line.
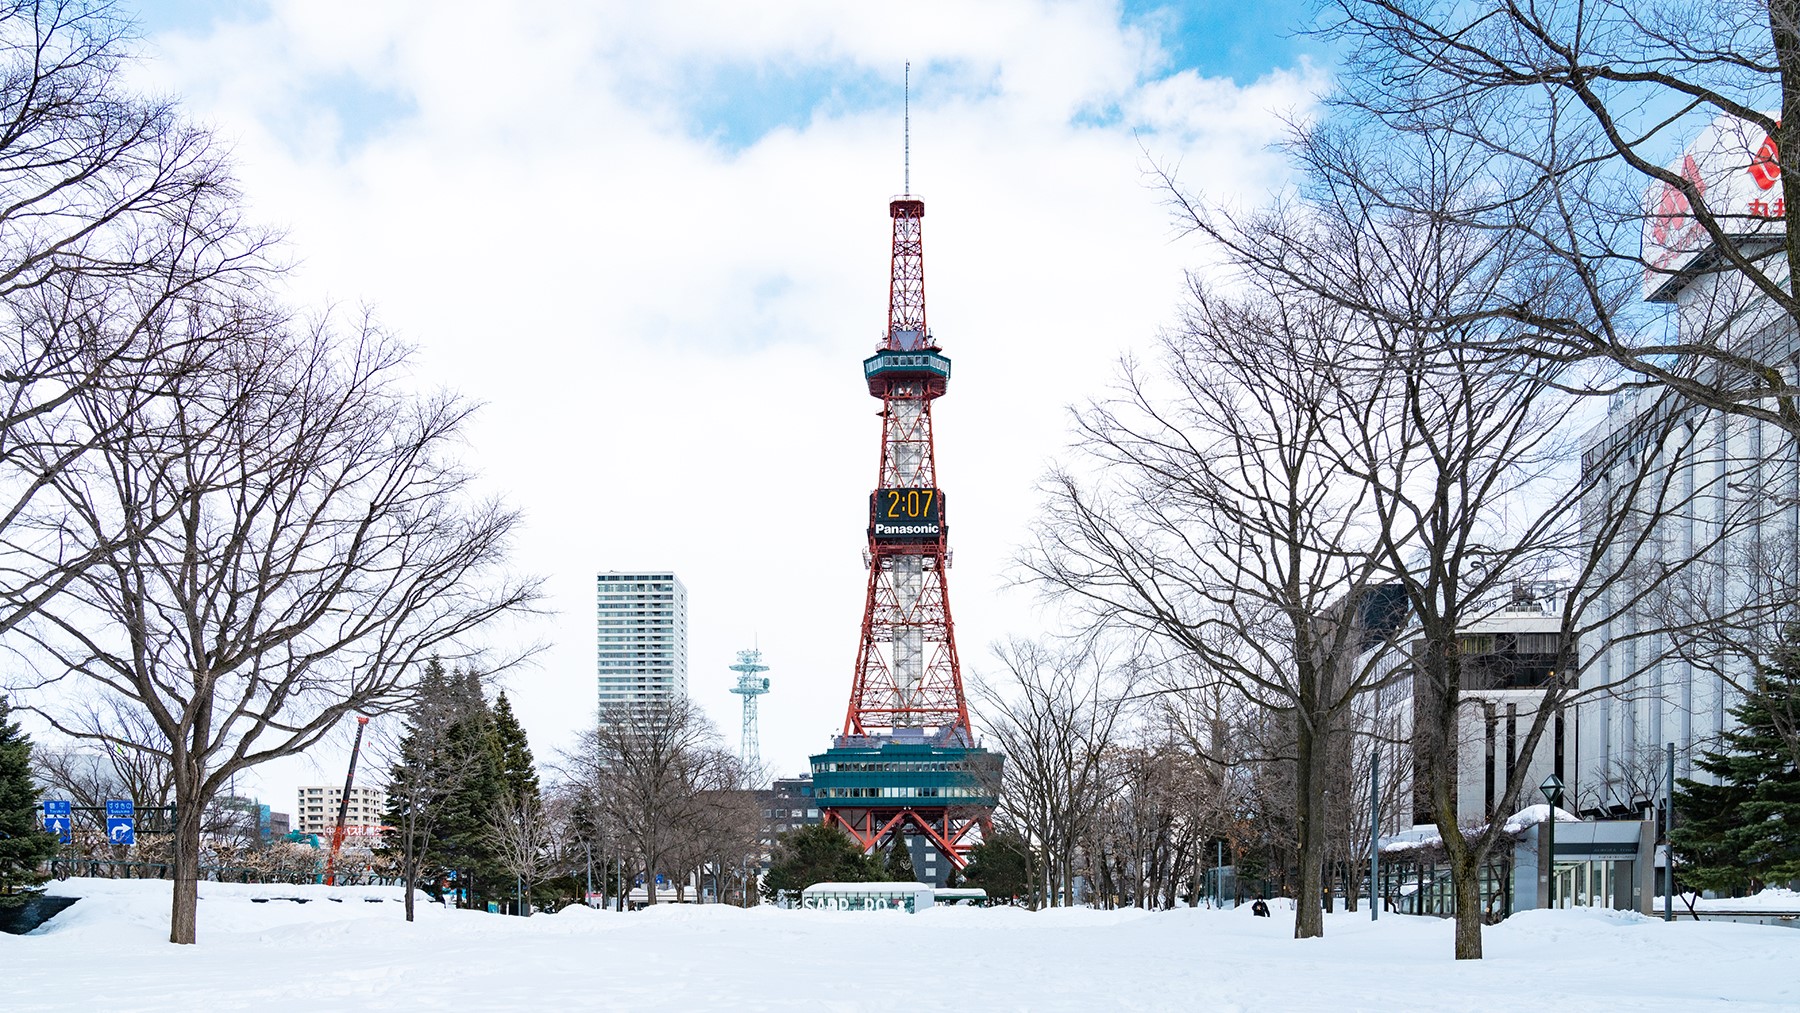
[[337, 835]]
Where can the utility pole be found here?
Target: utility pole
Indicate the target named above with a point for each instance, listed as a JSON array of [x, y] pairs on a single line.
[[1374, 833], [1668, 839]]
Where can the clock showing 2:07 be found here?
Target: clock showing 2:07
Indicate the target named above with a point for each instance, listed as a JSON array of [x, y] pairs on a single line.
[[902, 514]]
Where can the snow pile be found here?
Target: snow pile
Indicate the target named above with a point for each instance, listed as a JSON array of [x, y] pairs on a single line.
[[1532, 815], [258, 951], [1425, 835]]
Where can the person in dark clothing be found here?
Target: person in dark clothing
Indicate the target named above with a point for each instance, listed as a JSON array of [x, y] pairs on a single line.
[[1260, 909]]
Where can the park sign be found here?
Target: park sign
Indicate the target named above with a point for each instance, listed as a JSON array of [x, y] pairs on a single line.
[[1733, 170]]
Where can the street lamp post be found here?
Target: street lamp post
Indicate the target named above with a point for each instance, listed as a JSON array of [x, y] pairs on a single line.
[[1553, 794]]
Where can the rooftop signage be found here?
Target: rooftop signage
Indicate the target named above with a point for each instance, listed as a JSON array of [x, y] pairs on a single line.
[[1733, 169]]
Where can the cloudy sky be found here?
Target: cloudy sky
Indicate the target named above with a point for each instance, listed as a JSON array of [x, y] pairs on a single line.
[[652, 239]]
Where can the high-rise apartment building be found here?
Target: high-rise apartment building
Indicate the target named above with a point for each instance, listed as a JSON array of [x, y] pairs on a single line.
[[318, 809], [640, 638]]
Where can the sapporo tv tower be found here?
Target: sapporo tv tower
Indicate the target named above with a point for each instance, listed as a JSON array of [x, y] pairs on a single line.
[[907, 764]]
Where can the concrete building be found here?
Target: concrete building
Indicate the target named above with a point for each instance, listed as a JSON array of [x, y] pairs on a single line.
[[787, 805], [1644, 686], [317, 810], [1507, 659], [247, 819], [1721, 511], [641, 638]]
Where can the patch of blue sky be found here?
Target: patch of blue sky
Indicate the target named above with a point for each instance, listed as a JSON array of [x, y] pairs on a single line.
[[1240, 40], [194, 16], [735, 105], [363, 112]]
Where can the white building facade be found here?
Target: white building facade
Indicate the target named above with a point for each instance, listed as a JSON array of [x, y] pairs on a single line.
[[641, 638], [1508, 657], [1718, 510], [317, 810]]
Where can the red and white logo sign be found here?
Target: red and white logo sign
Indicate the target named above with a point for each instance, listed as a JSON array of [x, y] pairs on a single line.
[[1764, 168]]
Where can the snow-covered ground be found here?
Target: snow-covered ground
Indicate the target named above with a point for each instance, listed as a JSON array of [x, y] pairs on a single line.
[[107, 953]]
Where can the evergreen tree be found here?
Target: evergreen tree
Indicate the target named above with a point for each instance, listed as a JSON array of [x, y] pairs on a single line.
[[23, 843], [424, 773], [516, 827], [819, 853], [465, 812], [1001, 865], [899, 862], [517, 767], [1744, 832]]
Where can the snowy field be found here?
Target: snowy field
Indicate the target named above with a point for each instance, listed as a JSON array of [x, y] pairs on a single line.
[[107, 953]]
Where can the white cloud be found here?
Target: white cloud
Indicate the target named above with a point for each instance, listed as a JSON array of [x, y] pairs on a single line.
[[666, 328]]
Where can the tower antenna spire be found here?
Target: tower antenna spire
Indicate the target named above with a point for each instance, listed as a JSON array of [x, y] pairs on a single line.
[[906, 119]]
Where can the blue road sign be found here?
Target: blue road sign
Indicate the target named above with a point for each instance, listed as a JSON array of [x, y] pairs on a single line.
[[58, 819], [121, 830], [120, 807]]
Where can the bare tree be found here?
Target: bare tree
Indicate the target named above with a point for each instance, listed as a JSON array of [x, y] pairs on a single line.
[[301, 541], [118, 223], [1056, 713], [1465, 453], [522, 836], [91, 774], [1220, 522], [651, 769]]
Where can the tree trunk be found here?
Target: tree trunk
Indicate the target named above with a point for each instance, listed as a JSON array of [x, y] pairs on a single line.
[[189, 812], [409, 870], [1465, 877], [649, 884], [1309, 786], [1438, 719]]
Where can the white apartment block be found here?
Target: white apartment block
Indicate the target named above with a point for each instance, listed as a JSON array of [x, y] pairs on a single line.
[[318, 808], [641, 638]]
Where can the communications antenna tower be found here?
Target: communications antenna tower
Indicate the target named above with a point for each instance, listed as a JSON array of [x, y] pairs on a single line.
[[750, 685], [907, 762]]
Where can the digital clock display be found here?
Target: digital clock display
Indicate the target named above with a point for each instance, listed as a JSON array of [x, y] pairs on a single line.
[[906, 515]]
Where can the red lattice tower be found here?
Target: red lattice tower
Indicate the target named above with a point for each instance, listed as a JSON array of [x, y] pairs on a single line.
[[907, 674]]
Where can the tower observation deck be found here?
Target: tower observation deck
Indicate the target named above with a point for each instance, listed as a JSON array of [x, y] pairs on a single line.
[[907, 762]]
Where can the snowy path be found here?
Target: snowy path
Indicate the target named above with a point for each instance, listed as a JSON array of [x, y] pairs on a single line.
[[106, 953]]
